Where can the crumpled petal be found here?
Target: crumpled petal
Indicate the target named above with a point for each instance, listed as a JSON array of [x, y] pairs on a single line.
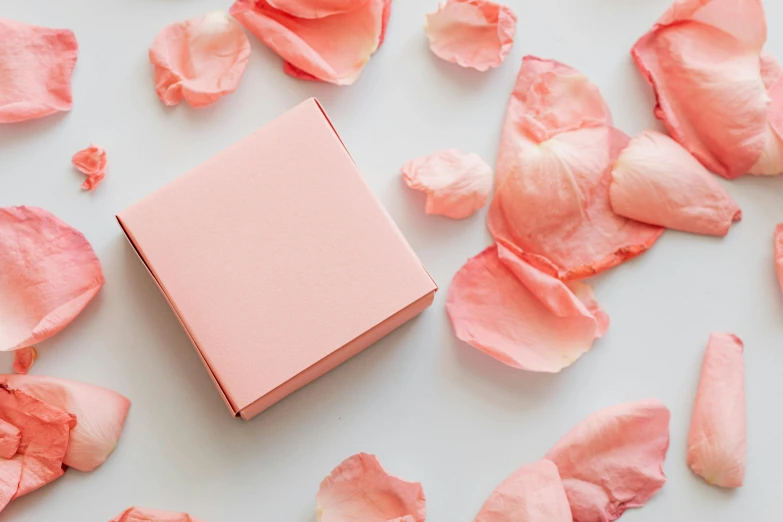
[[553, 175], [138, 514], [472, 33], [613, 460], [717, 444], [199, 60], [92, 162], [656, 181], [521, 316], [333, 49], [37, 63], [533, 493], [360, 490], [456, 184], [778, 242], [50, 273], [10, 437], [315, 8], [100, 415], [703, 60], [24, 359]]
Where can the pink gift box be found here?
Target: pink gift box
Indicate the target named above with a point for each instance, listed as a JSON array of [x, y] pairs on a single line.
[[277, 259]]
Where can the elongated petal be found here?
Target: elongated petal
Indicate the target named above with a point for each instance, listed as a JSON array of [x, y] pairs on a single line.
[[360, 490], [36, 64], [24, 359], [49, 274], [657, 181], [315, 8], [778, 244], [717, 444], [100, 415], [139, 514], [10, 436], [613, 460], [472, 33], [533, 493]]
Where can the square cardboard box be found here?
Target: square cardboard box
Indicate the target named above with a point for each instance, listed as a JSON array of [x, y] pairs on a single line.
[[277, 259]]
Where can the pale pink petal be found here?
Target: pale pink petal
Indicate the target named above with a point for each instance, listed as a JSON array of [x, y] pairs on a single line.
[[199, 60], [771, 161], [779, 253], [533, 493], [456, 184], [656, 181], [10, 436], [613, 460], [100, 415], [333, 49], [771, 70], [315, 8], [24, 359], [92, 162], [360, 490], [138, 514], [49, 274], [717, 444], [472, 33], [36, 64]]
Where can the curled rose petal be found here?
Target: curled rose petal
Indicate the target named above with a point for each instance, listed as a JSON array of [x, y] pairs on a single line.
[[456, 184], [315, 8], [657, 181], [50, 273], [199, 60], [138, 514], [778, 244], [360, 490], [24, 359], [10, 436], [472, 33], [717, 444], [533, 493], [37, 63], [613, 460], [100, 415], [553, 175], [92, 163]]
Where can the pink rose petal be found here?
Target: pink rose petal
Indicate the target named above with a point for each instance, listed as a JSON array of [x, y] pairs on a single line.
[[613, 460], [533, 493], [100, 415], [315, 8], [656, 181], [24, 359], [10, 436], [472, 33], [778, 242], [36, 64], [137, 514], [359, 490], [199, 60], [49, 274], [553, 175], [91, 162], [717, 444], [456, 184]]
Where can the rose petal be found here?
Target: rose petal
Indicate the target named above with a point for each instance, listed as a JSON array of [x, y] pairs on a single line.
[[533, 493], [472, 33], [456, 184], [49, 274], [10, 436], [92, 162], [717, 444], [24, 359], [200, 60], [333, 49], [771, 161], [315, 8], [771, 70], [613, 460], [100, 415], [37, 63], [657, 181], [137, 514], [779, 253], [360, 490]]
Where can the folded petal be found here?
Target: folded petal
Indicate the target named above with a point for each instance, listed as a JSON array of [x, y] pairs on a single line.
[[100, 415], [10, 437], [315, 8], [613, 460], [37, 63], [91, 162], [472, 33], [456, 184], [717, 444], [50, 273], [533, 493], [778, 242], [333, 49], [657, 181], [138, 514], [360, 490], [24, 359], [199, 60]]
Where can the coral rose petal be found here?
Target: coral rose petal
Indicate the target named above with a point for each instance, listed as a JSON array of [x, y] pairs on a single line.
[[771, 161], [24, 359], [613, 460], [771, 70], [456, 184], [10, 436], [37, 63], [100, 415], [533, 493], [138, 514], [199, 60], [315, 8], [657, 181], [333, 49], [360, 490], [50, 273], [717, 444], [472, 33], [92, 162]]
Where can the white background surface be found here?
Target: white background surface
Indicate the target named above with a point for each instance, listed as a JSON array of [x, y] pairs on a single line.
[[432, 408]]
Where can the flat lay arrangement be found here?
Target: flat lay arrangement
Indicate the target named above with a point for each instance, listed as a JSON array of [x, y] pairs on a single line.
[[473, 259]]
